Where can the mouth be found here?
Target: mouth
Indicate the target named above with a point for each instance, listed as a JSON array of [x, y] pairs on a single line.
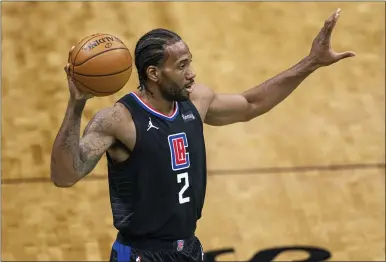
[[189, 87]]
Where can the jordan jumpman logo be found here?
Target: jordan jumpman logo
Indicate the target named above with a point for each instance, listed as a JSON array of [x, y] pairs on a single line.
[[150, 125]]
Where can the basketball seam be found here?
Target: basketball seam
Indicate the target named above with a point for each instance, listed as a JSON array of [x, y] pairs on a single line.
[[91, 88], [103, 75], [88, 59], [73, 62]]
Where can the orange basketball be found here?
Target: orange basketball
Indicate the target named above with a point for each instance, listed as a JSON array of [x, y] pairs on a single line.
[[101, 64]]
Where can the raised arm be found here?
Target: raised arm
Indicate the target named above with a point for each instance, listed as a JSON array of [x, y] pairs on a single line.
[[224, 109], [73, 158]]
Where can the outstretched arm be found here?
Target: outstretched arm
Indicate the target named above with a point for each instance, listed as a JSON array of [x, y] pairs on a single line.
[[228, 108]]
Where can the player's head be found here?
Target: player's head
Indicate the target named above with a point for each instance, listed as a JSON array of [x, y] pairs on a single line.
[[162, 58]]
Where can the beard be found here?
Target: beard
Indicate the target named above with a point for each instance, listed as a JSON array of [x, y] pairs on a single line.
[[171, 91]]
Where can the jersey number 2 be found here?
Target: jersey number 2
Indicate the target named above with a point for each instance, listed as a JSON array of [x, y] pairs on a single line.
[[185, 178], [180, 160]]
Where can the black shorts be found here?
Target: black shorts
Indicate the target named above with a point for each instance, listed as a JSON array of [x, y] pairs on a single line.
[[185, 250]]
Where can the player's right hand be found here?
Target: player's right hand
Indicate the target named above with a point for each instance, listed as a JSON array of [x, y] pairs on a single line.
[[75, 92]]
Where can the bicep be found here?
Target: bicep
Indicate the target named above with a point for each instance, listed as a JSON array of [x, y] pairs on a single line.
[[97, 138], [93, 145], [227, 109]]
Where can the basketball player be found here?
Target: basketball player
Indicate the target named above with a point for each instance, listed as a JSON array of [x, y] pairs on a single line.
[[154, 144]]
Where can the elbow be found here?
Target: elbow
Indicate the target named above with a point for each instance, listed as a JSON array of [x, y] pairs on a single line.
[[63, 183]]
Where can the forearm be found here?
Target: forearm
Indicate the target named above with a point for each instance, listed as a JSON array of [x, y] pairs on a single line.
[[65, 158], [273, 91]]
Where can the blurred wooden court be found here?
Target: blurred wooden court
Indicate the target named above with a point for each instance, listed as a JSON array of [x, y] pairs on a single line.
[[310, 172]]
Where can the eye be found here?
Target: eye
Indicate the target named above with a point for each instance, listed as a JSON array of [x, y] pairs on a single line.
[[183, 64]]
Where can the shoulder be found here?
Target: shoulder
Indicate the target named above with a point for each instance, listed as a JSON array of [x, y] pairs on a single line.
[[109, 119], [201, 91], [202, 96]]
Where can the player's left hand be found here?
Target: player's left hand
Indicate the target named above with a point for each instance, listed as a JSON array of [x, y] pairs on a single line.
[[321, 52]]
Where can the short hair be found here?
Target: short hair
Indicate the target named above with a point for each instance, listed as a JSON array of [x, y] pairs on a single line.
[[150, 50]]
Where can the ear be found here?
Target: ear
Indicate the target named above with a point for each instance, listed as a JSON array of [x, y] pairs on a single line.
[[153, 73]]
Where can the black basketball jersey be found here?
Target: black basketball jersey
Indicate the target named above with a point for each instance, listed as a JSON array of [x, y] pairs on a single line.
[[159, 191]]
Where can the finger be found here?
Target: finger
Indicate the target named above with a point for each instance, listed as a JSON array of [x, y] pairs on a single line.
[[325, 33], [70, 54], [67, 69], [330, 24], [344, 55]]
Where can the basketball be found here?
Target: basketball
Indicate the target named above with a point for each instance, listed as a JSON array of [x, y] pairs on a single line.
[[100, 64]]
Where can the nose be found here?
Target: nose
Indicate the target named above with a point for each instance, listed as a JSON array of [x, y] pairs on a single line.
[[190, 74]]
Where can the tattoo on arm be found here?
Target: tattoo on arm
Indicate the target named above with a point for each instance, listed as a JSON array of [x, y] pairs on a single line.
[[94, 144], [82, 155], [71, 139], [93, 148], [91, 152], [117, 116], [70, 128]]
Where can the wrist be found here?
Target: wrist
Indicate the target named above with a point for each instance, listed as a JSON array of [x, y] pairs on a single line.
[[76, 105], [310, 63]]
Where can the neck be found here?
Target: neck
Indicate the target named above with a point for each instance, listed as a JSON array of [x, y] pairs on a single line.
[[156, 101]]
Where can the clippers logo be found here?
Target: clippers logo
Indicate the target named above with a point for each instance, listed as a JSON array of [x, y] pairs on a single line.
[[178, 144]]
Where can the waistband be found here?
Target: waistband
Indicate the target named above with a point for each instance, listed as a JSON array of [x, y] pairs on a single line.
[[155, 244]]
